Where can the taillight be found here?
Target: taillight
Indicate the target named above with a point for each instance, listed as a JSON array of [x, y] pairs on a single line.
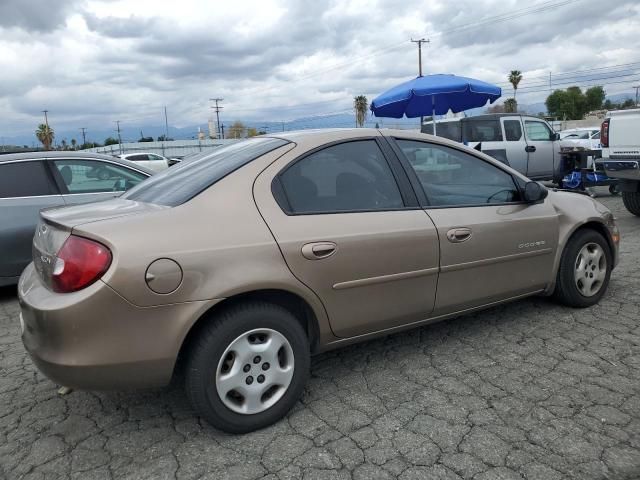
[[604, 133], [79, 263]]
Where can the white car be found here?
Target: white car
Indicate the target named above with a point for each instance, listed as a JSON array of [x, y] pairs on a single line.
[[580, 139], [150, 160]]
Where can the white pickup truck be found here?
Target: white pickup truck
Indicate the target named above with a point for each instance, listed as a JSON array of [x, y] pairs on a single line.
[[620, 139]]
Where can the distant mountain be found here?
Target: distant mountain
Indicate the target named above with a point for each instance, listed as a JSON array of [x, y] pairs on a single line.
[[133, 133]]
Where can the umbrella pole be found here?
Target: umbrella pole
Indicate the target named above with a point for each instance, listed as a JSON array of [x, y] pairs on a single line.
[[433, 114]]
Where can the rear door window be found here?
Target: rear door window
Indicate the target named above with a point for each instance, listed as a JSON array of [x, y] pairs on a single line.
[[346, 177], [25, 179], [512, 130]]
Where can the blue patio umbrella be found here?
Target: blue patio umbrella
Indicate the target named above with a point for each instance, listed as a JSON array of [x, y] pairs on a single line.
[[434, 95]]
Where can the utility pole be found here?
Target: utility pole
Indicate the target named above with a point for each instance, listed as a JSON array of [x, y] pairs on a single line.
[[166, 125], [217, 109], [84, 137], [637, 87], [119, 137], [420, 41]]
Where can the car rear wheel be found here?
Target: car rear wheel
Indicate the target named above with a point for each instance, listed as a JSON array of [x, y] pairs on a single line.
[[631, 202], [248, 367], [585, 269]]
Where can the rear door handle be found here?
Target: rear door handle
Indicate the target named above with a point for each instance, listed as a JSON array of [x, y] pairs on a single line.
[[318, 250], [530, 148], [459, 235]]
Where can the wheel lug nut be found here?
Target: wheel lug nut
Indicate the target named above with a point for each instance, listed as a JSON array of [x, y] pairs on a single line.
[[265, 366], [249, 380], [246, 368], [256, 359], [260, 378]]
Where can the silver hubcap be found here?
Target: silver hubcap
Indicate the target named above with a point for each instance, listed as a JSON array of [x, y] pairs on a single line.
[[591, 269], [255, 371]]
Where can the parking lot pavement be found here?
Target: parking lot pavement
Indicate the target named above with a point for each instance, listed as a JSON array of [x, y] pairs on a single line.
[[528, 390]]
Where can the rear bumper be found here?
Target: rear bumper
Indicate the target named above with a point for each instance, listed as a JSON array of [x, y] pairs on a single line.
[[94, 339], [624, 169]]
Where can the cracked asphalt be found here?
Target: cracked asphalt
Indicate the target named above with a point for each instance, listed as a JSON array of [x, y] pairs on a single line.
[[528, 390]]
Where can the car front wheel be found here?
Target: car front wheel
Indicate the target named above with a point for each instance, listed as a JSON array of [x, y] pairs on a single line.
[[585, 269], [248, 367]]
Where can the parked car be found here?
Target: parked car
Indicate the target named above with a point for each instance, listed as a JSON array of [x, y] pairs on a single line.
[[580, 139], [244, 262], [620, 138], [526, 143], [152, 161], [32, 181]]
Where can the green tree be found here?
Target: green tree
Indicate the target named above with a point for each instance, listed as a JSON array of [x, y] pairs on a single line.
[[594, 98], [252, 132], [236, 130], [164, 138], [74, 144], [572, 103], [510, 105], [360, 105], [45, 135], [110, 141], [628, 103], [63, 143], [515, 76]]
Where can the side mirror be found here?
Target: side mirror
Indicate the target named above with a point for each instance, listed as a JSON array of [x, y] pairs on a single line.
[[555, 136], [534, 192]]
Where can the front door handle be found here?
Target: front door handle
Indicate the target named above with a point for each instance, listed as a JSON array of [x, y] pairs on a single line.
[[318, 250], [459, 235], [530, 148]]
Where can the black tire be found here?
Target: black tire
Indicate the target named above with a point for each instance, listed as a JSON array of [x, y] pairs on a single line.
[[566, 291], [213, 340], [103, 174], [631, 202]]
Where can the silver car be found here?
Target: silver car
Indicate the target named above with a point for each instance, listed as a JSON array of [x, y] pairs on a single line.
[[30, 182]]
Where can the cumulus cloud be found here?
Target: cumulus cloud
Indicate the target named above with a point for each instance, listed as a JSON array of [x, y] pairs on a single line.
[[36, 15], [95, 61]]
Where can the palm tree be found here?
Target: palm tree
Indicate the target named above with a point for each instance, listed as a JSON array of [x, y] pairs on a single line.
[[45, 135], [64, 143], [514, 78], [73, 143], [360, 105]]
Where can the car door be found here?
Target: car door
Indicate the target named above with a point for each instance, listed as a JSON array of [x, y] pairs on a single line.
[[514, 143], [493, 246], [83, 181], [25, 188], [141, 159], [349, 232], [541, 147]]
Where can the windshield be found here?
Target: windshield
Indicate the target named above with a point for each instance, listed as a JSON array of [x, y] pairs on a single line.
[[182, 182]]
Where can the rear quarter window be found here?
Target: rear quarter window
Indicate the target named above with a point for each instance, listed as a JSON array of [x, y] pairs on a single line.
[[184, 181], [24, 179]]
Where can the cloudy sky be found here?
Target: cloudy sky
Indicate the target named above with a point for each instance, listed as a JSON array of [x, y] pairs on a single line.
[[92, 62]]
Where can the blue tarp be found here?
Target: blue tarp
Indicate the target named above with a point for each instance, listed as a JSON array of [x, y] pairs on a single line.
[[434, 94]]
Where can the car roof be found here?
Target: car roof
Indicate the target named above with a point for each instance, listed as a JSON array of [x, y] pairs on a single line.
[[56, 155]]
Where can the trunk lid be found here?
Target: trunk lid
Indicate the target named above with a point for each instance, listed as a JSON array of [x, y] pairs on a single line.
[[57, 224]]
